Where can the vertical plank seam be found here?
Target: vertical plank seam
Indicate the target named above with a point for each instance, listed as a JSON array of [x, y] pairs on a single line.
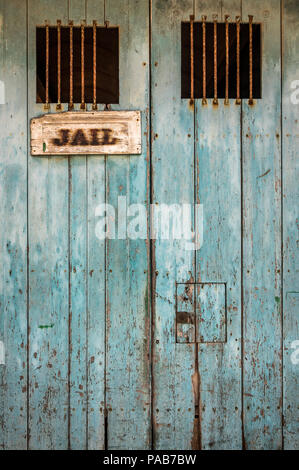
[[242, 268], [105, 325], [105, 302], [151, 247], [27, 228], [197, 397], [86, 291], [281, 216], [69, 302], [242, 265], [69, 288], [242, 277], [106, 305], [197, 403], [87, 307]]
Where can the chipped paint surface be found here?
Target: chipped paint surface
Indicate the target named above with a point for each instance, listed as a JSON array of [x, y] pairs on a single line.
[[2, 353], [111, 344], [262, 245], [290, 191]]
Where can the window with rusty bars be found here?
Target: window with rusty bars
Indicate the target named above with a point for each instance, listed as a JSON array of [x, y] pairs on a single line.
[[221, 59], [77, 64]]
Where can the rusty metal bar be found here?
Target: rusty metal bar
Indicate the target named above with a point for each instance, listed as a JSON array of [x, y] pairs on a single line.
[[107, 105], [58, 106], [82, 106], [215, 100], [226, 101], [71, 104], [250, 102], [204, 63], [94, 105], [47, 105], [192, 58], [238, 20]]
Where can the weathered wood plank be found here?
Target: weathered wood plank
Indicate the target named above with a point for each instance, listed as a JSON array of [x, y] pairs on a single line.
[[211, 313], [117, 132], [78, 305], [128, 315], [13, 220], [219, 259], [87, 286], [290, 174], [48, 270], [262, 242], [67, 358], [78, 245], [185, 313], [96, 319], [175, 384]]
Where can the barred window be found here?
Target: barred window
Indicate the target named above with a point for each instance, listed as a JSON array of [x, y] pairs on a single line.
[[77, 64], [220, 59]]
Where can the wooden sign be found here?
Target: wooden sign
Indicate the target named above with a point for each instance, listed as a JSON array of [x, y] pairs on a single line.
[[83, 133]]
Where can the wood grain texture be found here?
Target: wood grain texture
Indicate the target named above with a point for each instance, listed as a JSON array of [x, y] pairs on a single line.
[[211, 313], [290, 174], [218, 185], [78, 279], [96, 286], [116, 132], [175, 386], [81, 362], [261, 124], [127, 293], [48, 271], [78, 373], [13, 220]]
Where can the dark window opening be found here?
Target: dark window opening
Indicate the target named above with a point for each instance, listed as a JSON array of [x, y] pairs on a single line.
[[107, 65], [221, 60]]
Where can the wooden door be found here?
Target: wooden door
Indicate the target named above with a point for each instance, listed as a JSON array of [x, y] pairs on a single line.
[[96, 347]]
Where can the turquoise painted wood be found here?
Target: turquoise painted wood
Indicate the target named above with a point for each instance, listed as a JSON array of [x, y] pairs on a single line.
[[290, 191], [127, 274], [143, 343], [219, 260], [96, 285], [48, 240], [13, 233], [174, 378], [87, 300], [78, 272], [261, 155], [211, 313]]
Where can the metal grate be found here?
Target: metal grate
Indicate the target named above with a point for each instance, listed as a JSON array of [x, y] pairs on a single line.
[[77, 64], [221, 60]]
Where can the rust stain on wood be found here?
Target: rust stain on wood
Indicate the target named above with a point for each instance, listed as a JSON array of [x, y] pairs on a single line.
[[195, 442]]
